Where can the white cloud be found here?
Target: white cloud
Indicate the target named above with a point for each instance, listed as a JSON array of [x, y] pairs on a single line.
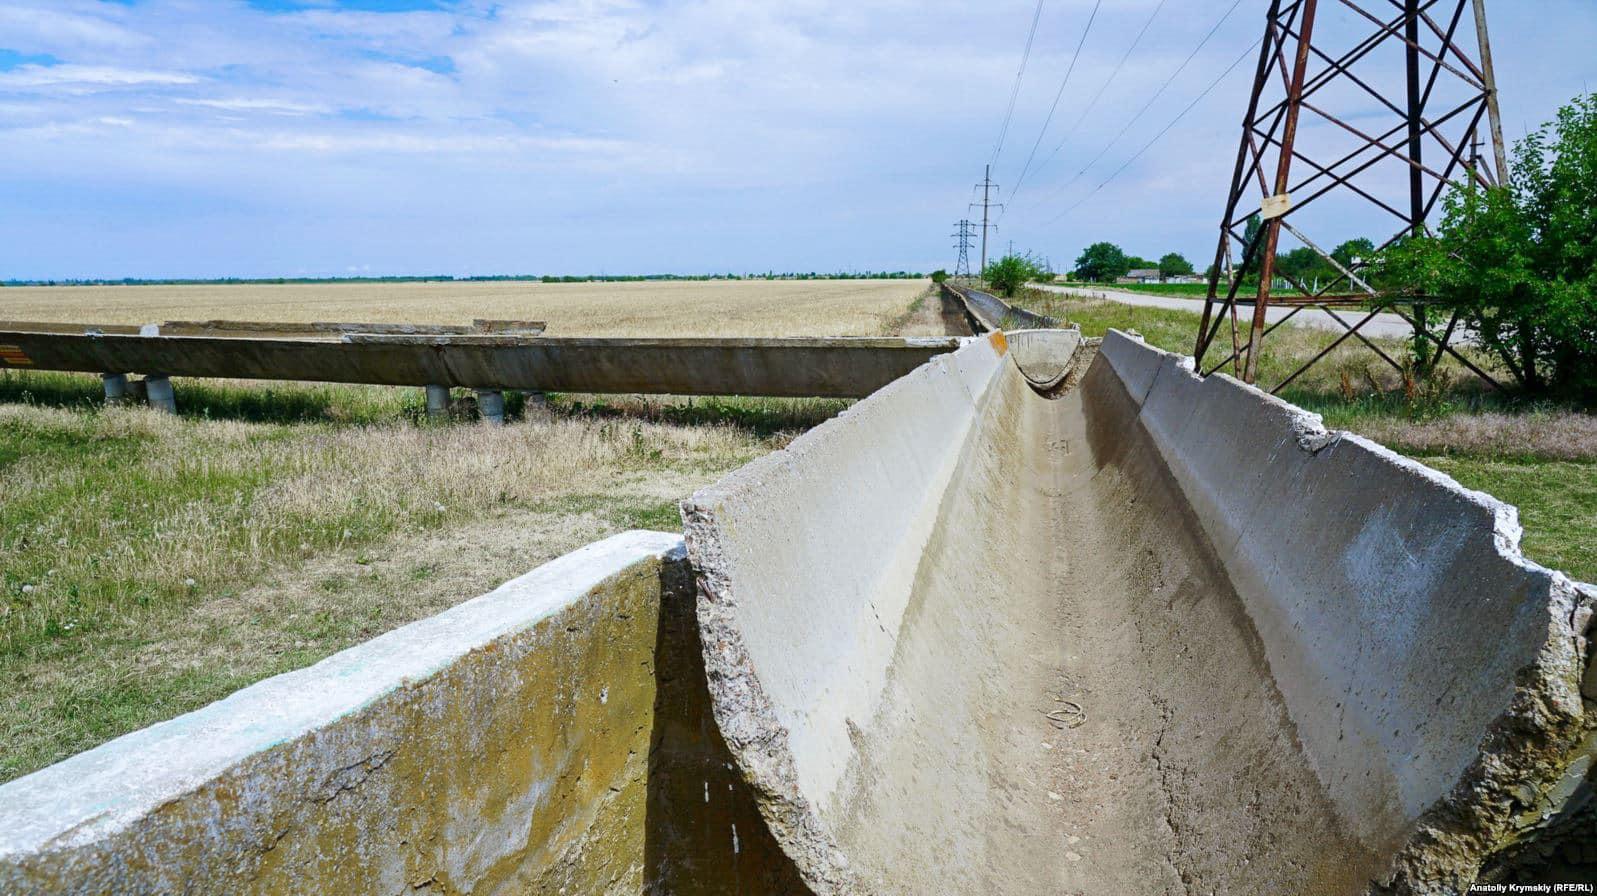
[[58, 27], [258, 104], [88, 78], [494, 133]]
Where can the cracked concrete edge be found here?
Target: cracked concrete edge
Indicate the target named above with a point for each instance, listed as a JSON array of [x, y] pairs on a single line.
[[748, 723], [759, 742], [1524, 755], [291, 737], [1526, 751]]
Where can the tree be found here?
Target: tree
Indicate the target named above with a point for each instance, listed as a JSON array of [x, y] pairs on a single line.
[[1354, 251], [939, 275], [1010, 273], [1102, 262], [1174, 265], [1303, 265], [1518, 263], [1252, 236]]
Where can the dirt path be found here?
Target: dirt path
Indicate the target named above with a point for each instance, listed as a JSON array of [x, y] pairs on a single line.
[[933, 314]]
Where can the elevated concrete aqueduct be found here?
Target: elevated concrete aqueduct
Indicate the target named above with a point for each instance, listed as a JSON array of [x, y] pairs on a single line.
[[1030, 619]]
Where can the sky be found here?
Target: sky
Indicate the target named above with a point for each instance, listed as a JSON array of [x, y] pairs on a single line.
[[252, 138]]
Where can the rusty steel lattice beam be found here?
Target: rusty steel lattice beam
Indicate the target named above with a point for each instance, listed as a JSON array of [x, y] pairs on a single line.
[[1306, 136]]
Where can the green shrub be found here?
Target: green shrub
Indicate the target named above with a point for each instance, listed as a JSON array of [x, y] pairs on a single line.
[[1518, 263], [1010, 273]]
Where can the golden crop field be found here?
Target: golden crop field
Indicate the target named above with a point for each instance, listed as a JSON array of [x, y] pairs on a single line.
[[668, 308]]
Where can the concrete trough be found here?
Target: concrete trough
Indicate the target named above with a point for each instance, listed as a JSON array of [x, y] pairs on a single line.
[[1152, 635], [550, 737], [987, 312], [796, 368]]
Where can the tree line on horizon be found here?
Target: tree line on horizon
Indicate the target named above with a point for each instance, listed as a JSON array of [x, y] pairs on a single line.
[[1105, 262]]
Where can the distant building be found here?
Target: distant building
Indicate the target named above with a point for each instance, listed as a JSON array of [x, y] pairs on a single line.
[[1141, 275]]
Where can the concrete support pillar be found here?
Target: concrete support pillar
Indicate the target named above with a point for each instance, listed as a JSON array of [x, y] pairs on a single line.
[[536, 406], [116, 386], [491, 404], [158, 392], [437, 401]]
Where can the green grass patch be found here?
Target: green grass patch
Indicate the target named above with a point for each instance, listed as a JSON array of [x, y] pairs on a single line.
[[1177, 290], [622, 512], [761, 417], [1557, 504]]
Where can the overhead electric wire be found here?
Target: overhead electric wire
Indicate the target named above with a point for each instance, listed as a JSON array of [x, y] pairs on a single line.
[[1165, 130], [1014, 92], [1148, 105], [1099, 95], [1015, 190]]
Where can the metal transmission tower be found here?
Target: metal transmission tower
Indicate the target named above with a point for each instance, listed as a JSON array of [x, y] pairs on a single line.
[[1313, 143], [987, 188], [965, 234]]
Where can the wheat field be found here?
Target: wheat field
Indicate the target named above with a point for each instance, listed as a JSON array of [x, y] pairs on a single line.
[[659, 308]]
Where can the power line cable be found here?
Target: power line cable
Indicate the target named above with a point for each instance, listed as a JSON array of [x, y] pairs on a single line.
[[1148, 105], [1165, 130], [1019, 181], [1099, 95], [1014, 92]]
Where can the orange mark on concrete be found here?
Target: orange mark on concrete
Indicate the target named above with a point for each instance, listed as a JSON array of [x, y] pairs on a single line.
[[13, 355], [999, 341]]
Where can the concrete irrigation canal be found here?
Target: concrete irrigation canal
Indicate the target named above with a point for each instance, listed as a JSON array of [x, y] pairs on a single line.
[[1038, 617]]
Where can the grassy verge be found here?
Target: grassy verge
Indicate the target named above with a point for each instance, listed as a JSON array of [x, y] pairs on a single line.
[[1541, 458], [151, 564], [1178, 290]]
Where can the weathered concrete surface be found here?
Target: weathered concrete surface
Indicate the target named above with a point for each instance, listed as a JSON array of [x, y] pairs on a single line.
[[550, 737], [828, 368], [1046, 358], [1157, 636]]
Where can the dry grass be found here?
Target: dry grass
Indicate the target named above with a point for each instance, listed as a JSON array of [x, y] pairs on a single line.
[[667, 308], [1549, 434], [133, 546]]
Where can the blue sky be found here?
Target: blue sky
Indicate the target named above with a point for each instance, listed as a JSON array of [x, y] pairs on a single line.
[[314, 137]]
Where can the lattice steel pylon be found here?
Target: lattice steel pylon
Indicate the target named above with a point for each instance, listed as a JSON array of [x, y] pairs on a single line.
[[965, 233], [1311, 145]]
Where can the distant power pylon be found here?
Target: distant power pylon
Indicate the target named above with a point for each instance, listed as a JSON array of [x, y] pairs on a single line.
[[965, 234], [1314, 128], [987, 188]]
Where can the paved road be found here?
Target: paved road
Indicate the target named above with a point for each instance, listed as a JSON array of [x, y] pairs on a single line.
[[1389, 325]]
